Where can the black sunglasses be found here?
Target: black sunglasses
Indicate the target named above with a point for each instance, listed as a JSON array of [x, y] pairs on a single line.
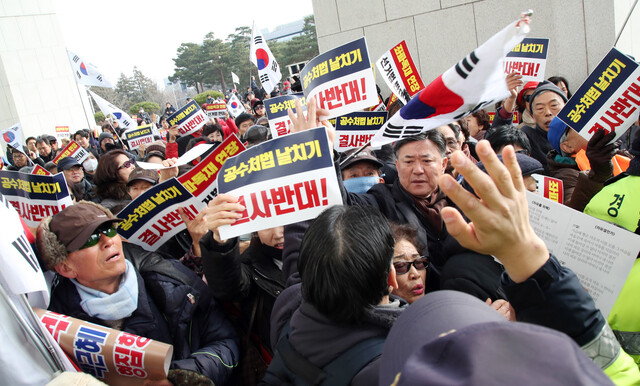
[[108, 230], [403, 267]]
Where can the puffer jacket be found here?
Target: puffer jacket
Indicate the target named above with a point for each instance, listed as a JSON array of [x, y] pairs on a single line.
[[174, 307]]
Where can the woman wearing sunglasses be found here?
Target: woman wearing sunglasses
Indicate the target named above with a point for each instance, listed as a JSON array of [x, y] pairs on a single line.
[[111, 179], [105, 280], [410, 266]]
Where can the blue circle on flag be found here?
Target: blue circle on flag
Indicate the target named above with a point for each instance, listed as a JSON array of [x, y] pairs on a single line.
[[83, 69], [234, 105], [117, 115], [263, 58]]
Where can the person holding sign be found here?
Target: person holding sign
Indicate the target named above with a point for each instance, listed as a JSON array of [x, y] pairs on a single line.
[[103, 280], [254, 278]]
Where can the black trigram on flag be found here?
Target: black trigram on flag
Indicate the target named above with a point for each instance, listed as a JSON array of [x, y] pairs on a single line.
[[99, 77], [392, 131], [22, 246], [75, 58], [257, 39], [465, 66], [264, 78]]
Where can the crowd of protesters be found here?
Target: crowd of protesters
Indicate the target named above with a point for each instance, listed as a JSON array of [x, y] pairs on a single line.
[[393, 287]]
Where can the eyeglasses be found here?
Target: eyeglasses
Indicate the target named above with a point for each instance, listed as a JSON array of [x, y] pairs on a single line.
[[109, 230], [403, 267], [127, 164]]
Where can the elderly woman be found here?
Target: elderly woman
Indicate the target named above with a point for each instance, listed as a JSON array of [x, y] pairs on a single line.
[[103, 280], [410, 266], [111, 179]]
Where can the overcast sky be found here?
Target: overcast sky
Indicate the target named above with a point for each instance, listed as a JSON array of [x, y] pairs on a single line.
[[117, 35]]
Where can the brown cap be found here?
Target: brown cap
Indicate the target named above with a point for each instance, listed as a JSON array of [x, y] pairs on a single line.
[[139, 173], [76, 223], [365, 155]]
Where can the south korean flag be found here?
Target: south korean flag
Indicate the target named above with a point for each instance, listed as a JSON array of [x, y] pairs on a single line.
[[86, 73], [261, 56], [234, 106]]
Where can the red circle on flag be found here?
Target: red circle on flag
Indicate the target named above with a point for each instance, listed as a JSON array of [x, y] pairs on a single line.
[[262, 58], [234, 105]]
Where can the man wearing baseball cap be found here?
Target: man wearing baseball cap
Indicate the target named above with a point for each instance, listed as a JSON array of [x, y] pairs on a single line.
[[73, 172], [362, 171], [101, 279], [141, 180]]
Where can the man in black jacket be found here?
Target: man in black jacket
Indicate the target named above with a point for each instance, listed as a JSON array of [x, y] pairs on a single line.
[[105, 281]]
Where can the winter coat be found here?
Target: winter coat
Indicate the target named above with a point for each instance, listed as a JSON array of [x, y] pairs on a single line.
[[175, 307], [540, 145], [253, 279]]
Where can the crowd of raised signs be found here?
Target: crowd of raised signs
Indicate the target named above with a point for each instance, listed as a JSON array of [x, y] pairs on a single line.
[[395, 286]]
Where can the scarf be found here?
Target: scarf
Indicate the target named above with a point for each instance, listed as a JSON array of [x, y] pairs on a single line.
[[119, 305], [431, 207]]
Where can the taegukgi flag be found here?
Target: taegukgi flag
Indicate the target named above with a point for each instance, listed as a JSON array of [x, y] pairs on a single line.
[[86, 73], [478, 80], [13, 136], [235, 107], [261, 56], [125, 121]]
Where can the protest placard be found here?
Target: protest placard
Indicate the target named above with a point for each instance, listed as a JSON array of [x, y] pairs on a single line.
[[152, 218], [285, 180], [399, 72], [600, 253], [62, 132], [201, 180], [35, 197], [215, 109], [356, 129], [279, 122], [515, 119], [73, 149], [528, 59], [608, 99], [141, 135], [187, 157], [341, 79], [188, 118], [549, 187], [115, 357], [39, 170]]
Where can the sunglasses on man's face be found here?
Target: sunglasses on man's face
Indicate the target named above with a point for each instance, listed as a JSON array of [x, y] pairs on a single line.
[[127, 164], [403, 267], [108, 230]]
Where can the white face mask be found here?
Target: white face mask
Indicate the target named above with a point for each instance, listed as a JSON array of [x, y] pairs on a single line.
[[90, 165]]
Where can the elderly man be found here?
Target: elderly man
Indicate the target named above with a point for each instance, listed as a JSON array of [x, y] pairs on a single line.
[[102, 280], [415, 197], [545, 102]]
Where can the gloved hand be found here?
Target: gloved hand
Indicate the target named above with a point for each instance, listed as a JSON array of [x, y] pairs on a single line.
[[599, 152]]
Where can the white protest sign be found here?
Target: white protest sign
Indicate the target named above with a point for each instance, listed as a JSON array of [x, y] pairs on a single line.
[[285, 180], [187, 157], [141, 135], [74, 150], [399, 72], [279, 122], [189, 118], [600, 253], [528, 59]]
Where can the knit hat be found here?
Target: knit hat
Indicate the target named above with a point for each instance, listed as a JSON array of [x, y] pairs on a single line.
[[451, 338], [544, 87], [104, 135], [68, 230], [557, 128]]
